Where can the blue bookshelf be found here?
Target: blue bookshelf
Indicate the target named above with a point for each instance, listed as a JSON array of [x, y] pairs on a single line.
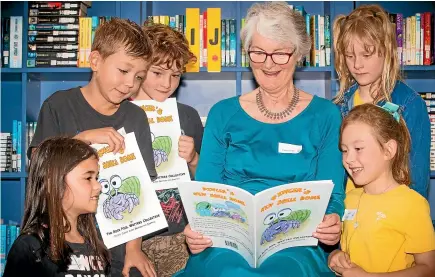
[[13, 175], [25, 89]]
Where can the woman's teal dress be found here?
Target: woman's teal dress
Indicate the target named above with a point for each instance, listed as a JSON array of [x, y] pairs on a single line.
[[241, 151]]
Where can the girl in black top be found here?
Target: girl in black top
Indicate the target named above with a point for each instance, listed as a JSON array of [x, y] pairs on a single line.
[[59, 236]]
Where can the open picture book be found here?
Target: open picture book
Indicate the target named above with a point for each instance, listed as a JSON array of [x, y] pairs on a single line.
[[256, 226]]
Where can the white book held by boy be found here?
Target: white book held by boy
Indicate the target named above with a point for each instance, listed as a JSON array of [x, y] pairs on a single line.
[[128, 207], [165, 133]]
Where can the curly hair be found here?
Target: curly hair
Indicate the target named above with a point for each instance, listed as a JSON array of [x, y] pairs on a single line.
[[169, 46]]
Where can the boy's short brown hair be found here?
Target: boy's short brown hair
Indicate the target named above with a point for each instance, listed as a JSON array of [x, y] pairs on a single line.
[[116, 33], [169, 46]]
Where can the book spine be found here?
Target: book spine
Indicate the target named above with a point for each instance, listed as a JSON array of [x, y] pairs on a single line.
[[88, 40], [19, 145], [227, 42], [95, 23], [53, 20], [36, 12], [58, 39], [204, 46], [201, 40], [6, 27], [399, 37], [243, 61], [223, 41], [322, 54], [16, 42], [3, 247], [53, 33], [51, 62], [192, 35], [214, 40], [409, 41], [310, 35], [57, 5], [172, 23], [327, 40], [417, 38], [232, 43], [82, 44], [47, 27], [52, 47]]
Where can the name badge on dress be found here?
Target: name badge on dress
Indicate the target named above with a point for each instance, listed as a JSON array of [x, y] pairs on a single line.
[[349, 214], [288, 148]]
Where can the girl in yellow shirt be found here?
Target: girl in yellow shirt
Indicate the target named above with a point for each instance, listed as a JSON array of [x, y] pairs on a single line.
[[387, 228]]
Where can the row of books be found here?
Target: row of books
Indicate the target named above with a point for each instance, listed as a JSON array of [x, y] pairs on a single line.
[[11, 41], [227, 29], [60, 34], [415, 38], [429, 98], [317, 26], [8, 234], [53, 36], [10, 146]]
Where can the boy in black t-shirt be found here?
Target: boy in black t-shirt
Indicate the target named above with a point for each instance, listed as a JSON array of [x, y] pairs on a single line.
[[93, 113]]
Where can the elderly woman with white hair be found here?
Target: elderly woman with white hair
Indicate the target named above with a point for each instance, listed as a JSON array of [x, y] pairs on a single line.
[[241, 138]]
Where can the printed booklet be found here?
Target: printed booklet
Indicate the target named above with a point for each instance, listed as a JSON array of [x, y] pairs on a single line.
[[256, 226], [128, 207], [165, 132]]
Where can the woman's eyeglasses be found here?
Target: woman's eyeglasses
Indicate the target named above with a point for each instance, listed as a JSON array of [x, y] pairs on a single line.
[[279, 58]]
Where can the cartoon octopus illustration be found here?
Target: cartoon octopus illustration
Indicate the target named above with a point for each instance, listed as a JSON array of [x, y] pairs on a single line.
[[161, 149], [122, 195], [282, 222]]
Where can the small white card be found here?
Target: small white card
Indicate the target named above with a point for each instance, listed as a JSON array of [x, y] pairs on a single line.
[[349, 214], [288, 148]]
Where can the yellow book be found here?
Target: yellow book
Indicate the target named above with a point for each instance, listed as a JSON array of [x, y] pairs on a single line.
[[214, 40], [192, 35], [88, 40], [164, 19], [82, 50], [413, 39]]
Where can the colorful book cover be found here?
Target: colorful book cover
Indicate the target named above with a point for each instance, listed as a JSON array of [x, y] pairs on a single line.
[[192, 35], [256, 226], [128, 207], [165, 133]]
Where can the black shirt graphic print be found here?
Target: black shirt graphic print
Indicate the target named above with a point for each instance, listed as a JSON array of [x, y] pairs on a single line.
[[28, 259]]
